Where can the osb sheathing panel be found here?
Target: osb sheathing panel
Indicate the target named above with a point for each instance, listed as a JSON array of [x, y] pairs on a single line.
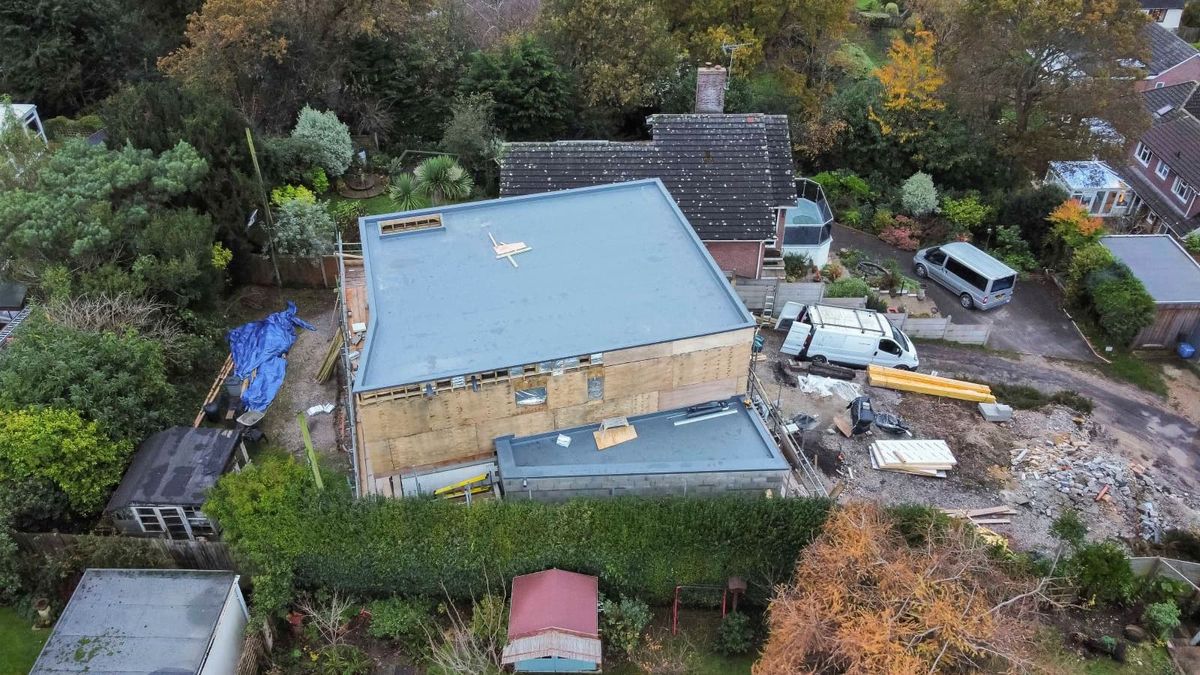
[[589, 413], [639, 377], [536, 422], [638, 353], [710, 364], [431, 447], [729, 339], [698, 393], [567, 389]]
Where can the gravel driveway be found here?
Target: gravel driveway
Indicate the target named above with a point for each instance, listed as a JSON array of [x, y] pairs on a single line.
[[1033, 323]]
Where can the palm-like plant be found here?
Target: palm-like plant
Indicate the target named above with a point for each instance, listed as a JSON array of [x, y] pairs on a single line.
[[442, 179], [405, 192]]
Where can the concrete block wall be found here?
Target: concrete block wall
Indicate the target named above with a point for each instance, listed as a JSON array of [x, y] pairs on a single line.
[[754, 483]]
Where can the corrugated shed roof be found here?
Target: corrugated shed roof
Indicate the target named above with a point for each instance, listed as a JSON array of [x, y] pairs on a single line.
[[175, 467], [726, 172], [137, 621], [610, 267], [554, 599], [1167, 49], [1169, 274]]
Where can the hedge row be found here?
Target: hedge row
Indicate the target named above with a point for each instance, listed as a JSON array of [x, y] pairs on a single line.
[[295, 535]]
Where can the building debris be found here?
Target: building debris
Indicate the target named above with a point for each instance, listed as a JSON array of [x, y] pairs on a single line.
[[996, 412], [920, 457]]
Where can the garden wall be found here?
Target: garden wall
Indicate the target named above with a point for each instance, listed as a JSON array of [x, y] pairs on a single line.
[[942, 328]]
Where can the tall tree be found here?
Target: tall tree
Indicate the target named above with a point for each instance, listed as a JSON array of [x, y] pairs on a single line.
[[531, 93], [1047, 72], [64, 54], [619, 50]]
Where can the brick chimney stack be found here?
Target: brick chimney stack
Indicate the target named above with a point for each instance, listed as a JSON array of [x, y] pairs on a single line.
[[710, 89]]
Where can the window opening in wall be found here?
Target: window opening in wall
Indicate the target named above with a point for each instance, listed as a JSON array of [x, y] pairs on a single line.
[[595, 388], [531, 397], [1162, 169], [1143, 154]]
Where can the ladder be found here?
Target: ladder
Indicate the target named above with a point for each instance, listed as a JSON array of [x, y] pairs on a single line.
[[11, 326]]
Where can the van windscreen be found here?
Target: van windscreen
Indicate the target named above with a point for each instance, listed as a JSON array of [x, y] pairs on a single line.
[[1003, 284]]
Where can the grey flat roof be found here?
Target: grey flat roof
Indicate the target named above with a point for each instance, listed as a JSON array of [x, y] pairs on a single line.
[[137, 621], [667, 442], [978, 260], [1169, 274], [175, 467], [611, 267]]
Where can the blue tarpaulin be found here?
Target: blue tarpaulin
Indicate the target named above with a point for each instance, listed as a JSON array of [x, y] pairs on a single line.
[[260, 345]]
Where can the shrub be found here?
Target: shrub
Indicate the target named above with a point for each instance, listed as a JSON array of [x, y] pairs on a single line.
[[401, 619], [1101, 571], [1121, 304], [287, 193], [327, 142], [318, 180], [1085, 261], [850, 287], [291, 533], [892, 9], [1073, 400], [796, 265], [1192, 242], [735, 635], [345, 659], [1068, 527], [405, 192], [965, 214], [346, 212], [882, 220], [918, 195], [623, 622], [303, 228], [832, 271], [902, 238], [1161, 618], [852, 218], [221, 256]]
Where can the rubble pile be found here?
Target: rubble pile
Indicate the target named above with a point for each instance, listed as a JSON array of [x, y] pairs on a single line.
[[1066, 471]]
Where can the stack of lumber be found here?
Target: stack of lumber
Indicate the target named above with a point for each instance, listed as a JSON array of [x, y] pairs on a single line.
[[906, 380], [995, 515], [919, 457]]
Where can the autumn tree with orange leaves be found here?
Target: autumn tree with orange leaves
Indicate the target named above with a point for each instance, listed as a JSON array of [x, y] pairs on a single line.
[[1071, 228], [911, 80], [864, 600]]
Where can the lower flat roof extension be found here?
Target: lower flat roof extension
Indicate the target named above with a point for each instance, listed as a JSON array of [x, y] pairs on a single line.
[[667, 442]]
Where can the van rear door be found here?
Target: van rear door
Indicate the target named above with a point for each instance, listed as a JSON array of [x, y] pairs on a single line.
[[797, 339]]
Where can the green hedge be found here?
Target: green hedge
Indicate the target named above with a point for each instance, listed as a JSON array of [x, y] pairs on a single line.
[[293, 534]]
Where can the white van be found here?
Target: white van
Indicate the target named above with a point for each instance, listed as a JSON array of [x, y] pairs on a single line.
[[854, 337]]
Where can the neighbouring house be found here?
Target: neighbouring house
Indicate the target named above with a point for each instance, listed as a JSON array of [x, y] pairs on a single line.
[[731, 174], [524, 315], [554, 624], [184, 622], [1164, 13], [1094, 184], [163, 491], [1165, 164], [1172, 60], [715, 450], [1171, 277], [25, 115]]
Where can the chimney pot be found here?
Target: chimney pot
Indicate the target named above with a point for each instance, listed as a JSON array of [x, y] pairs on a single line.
[[710, 89]]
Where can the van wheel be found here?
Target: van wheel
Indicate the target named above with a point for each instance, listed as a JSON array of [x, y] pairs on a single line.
[[922, 272], [966, 301], [903, 368], [819, 359]]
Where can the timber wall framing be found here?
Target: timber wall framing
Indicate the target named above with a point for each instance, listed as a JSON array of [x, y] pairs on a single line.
[[457, 425]]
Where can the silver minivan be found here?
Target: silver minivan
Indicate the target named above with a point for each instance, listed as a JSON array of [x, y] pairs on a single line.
[[978, 279]]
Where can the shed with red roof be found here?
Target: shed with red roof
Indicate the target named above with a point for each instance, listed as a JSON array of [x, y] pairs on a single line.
[[553, 623]]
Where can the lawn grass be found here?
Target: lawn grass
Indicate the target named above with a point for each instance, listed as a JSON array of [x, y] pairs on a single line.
[[19, 642], [1143, 373], [373, 206]]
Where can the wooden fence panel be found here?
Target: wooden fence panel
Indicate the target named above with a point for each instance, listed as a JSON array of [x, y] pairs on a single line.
[[933, 329], [969, 334], [942, 329], [805, 293], [294, 271], [754, 292]]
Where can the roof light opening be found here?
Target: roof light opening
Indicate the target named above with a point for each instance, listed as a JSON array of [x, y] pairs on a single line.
[[397, 225]]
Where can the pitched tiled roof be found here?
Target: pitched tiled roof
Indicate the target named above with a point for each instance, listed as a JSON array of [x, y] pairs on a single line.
[[1176, 139], [1174, 97], [726, 172], [1167, 49], [1158, 202]]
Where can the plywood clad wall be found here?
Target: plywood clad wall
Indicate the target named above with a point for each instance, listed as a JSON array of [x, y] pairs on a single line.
[[461, 423]]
